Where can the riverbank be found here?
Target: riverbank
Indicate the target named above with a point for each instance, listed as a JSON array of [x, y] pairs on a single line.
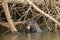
[[21, 13]]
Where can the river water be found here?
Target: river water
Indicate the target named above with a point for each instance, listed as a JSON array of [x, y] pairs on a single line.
[[32, 36]]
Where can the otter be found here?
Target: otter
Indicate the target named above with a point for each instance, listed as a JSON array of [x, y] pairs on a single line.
[[32, 26]]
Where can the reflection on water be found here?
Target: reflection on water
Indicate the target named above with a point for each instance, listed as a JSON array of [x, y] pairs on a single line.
[[32, 36]]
